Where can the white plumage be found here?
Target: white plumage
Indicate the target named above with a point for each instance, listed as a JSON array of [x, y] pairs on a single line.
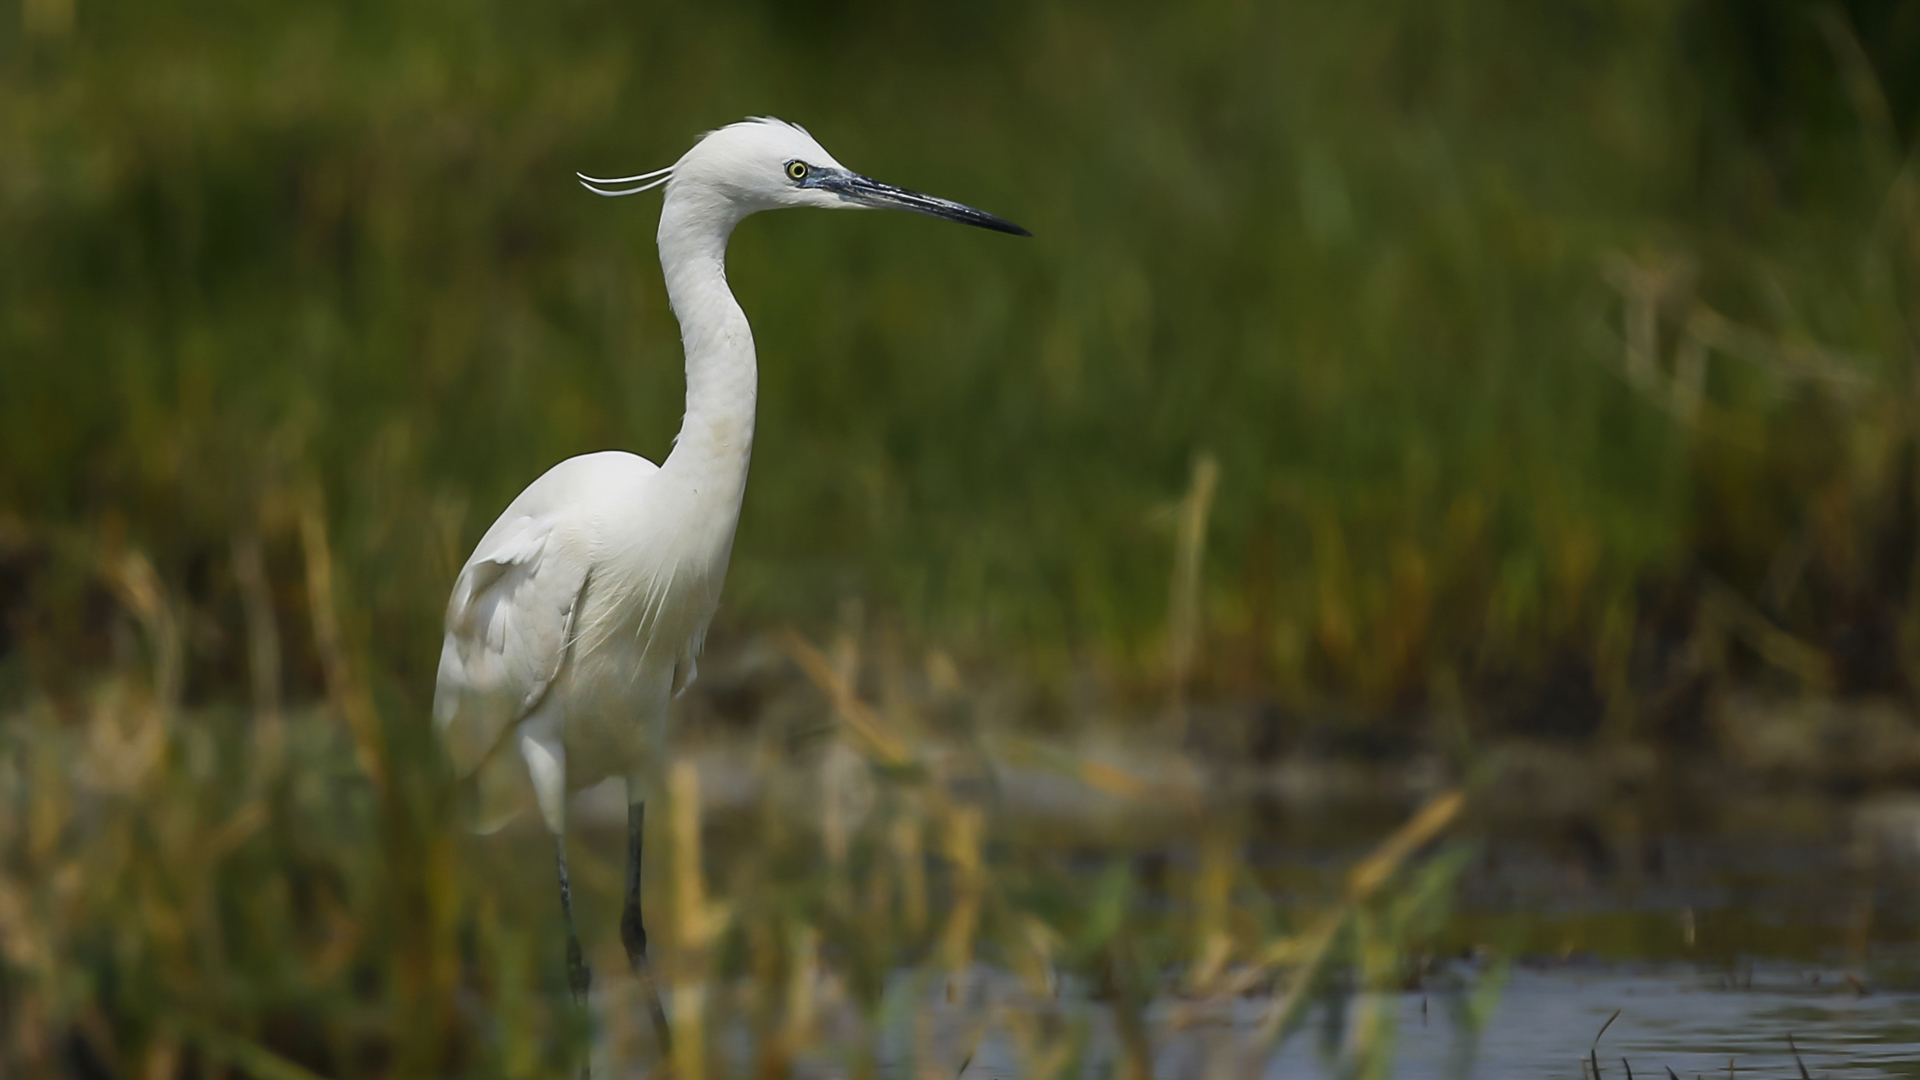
[[583, 609]]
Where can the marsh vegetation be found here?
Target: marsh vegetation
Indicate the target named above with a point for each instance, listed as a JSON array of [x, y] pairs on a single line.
[[1406, 414]]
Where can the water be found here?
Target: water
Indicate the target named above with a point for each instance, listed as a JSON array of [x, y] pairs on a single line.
[[1542, 1028], [1675, 1018], [1718, 924], [1687, 1021], [1719, 920]]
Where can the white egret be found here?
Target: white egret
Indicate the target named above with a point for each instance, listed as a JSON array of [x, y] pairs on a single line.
[[582, 610]]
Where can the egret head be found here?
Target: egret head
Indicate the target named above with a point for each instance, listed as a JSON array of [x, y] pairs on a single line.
[[765, 164]]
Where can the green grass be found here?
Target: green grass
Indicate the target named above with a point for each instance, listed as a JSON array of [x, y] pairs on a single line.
[[1555, 362], [1371, 260]]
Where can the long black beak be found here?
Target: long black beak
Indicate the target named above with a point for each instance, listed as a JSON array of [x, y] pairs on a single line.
[[870, 192]]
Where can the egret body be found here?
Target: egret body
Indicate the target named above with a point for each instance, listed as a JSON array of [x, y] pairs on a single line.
[[582, 611]]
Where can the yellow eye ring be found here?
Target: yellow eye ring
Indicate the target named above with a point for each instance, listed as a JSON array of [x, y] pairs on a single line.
[[797, 170]]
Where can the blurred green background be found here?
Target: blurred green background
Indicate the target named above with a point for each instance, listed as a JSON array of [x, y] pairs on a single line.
[[1555, 363], [1385, 263]]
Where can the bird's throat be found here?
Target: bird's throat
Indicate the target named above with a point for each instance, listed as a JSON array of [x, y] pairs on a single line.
[[710, 455]]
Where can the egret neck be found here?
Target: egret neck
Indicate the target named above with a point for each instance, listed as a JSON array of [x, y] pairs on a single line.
[[709, 458]]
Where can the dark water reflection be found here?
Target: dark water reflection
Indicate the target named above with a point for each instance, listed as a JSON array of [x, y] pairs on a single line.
[[1543, 1028], [1708, 869], [1720, 916], [1670, 1017], [1718, 921]]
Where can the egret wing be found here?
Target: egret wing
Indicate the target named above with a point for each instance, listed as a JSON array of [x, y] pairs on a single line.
[[508, 634]]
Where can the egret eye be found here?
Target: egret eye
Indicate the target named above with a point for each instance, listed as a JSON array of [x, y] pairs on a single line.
[[797, 170]]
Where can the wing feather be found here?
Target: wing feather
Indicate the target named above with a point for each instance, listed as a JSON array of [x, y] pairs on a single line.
[[509, 630]]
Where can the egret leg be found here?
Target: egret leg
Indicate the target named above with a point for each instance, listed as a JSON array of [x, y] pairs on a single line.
[[633, 931], [579, 977], [546, 761]]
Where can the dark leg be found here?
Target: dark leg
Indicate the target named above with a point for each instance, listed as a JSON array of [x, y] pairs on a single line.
[[633, 933], [579, 978]]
